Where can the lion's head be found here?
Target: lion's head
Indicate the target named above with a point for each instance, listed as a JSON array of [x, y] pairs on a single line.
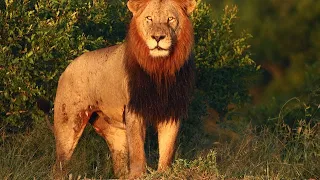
[[160, 35]]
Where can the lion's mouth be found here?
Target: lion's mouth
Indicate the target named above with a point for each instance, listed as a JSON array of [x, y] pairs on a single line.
[[159, 49], [159, 52]]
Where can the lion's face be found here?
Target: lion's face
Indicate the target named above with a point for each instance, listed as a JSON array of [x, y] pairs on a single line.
[[159, 27], [158, 23]]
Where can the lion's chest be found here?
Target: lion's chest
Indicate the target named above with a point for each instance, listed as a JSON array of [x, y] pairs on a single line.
[[160, 101]]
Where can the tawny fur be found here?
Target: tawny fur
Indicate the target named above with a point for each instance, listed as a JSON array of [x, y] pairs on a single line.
[[124, 87]]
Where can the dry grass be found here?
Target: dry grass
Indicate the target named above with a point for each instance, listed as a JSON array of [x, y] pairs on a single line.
[[262, 154]]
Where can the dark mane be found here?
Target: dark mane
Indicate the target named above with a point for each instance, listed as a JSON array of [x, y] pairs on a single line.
[[164, 101], [159, 88]]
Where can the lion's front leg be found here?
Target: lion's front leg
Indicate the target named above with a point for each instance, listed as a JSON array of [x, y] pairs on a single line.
[[167, 135], [136, 132]]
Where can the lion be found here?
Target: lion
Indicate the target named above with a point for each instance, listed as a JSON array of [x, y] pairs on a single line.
[[120, 89]]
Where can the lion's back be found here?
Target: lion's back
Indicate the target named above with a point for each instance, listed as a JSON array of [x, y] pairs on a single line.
[[96, 60], [93, 72]]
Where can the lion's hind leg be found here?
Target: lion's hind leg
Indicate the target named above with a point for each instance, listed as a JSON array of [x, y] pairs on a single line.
[[69, 123], [115, 136]]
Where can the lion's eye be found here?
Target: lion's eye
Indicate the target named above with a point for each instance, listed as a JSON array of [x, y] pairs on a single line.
[[171, 19], [149, 18]]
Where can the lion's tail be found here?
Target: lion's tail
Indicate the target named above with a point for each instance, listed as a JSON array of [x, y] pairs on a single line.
[[45, 106]]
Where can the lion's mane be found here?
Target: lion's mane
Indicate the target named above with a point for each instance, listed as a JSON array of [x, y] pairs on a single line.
[[159, 88]]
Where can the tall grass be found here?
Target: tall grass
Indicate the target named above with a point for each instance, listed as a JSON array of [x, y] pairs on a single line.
[[25, 156], [265, 154], [32, 155], [286, 147]]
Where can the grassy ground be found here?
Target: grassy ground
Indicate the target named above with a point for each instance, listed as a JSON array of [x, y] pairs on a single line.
[[252, 155]]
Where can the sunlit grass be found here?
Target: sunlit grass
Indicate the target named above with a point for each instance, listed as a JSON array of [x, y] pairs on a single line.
[[256, 154]]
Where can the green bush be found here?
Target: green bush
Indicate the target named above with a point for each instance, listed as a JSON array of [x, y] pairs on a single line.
[[40, 38], [225, 69]]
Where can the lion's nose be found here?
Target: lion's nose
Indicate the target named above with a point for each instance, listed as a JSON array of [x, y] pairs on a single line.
[[158, 38]]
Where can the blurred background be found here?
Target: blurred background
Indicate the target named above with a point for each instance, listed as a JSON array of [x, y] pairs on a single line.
[[286, 43]]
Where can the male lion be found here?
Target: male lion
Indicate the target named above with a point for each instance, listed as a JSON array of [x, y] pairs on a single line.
[[121, 88]]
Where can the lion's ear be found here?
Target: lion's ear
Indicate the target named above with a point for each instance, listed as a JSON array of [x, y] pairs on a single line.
[[133, 6], [190, 5]]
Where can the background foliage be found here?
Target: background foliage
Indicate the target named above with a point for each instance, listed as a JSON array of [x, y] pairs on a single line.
[[286, 43], [223, 61]]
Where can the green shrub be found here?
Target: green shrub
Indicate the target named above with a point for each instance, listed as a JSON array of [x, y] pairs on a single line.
[[225, 69]]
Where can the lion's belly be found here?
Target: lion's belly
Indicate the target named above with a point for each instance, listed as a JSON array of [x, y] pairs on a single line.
[[109, 85], [112, 104]]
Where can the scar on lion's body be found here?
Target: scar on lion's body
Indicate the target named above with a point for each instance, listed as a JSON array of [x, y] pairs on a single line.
[[64, 113]]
